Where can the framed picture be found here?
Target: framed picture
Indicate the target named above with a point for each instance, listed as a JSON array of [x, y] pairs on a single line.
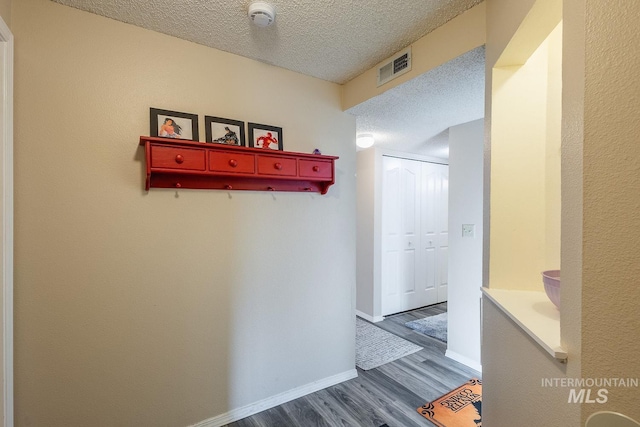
[[173, 124], [265, 137], [224, 131]]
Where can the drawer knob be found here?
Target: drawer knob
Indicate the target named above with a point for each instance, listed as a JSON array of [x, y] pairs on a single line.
[[228, 187], [278, 166], [271, 189], [178, 185], [316, 168], [233, 163], [307, 189], [179, 158]]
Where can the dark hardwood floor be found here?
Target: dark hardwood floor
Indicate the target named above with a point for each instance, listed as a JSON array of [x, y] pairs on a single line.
[[388, 394]]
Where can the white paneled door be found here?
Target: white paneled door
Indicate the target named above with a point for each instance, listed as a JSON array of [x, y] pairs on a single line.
[[414, 234], [435, 228]]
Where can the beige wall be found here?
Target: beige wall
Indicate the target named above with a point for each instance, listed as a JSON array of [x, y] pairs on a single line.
[[600, 222], [5, 11], [166, 308], [611, 220]]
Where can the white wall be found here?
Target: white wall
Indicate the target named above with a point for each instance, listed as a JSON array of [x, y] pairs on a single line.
[[166, 307], [365, 210], [465, 253]]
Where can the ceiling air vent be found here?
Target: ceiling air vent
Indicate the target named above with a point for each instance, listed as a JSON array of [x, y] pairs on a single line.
[[395, 66]]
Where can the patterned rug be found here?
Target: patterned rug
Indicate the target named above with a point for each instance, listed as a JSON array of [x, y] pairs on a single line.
[[461, 407], [433, 326], [375, 346]]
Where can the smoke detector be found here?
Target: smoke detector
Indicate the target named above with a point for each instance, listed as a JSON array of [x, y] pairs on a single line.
[[262, 13]]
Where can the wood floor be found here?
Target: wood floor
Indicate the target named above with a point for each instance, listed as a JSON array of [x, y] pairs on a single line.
[[388, 394]]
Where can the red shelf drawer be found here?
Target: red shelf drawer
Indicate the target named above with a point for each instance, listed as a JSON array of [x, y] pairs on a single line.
[[274, 165], [316, 169], [177, 158], [232, 162]]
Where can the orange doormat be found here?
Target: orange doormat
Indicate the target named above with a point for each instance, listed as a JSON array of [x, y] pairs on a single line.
[[461, 407]]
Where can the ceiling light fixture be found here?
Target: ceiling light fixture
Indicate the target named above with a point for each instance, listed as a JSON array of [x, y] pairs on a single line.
[[365, 140], [262, 13]]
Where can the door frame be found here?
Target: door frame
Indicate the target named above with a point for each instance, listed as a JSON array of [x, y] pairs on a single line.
[[6, 198], [378, 154], [426, 282]]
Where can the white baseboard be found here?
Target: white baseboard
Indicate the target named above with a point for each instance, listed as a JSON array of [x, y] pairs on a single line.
[[278, 399], [371, 319], [464, 360]]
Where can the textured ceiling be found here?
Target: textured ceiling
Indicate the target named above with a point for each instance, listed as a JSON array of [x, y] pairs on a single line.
[[334, 40], [416, 116]]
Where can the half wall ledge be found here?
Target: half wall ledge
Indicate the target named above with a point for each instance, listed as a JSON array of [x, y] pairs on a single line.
[[534, 314]]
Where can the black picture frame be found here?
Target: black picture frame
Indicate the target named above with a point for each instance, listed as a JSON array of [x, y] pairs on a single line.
[[187, 124], [258, 133], [219, 130]]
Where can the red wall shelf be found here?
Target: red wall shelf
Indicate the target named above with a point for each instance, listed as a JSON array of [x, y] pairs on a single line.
[[187, 164]]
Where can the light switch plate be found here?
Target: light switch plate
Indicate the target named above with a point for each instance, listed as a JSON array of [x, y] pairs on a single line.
[[468, 230]]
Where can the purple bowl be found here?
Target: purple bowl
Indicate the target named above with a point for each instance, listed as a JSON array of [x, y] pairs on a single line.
[[551, 280]]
